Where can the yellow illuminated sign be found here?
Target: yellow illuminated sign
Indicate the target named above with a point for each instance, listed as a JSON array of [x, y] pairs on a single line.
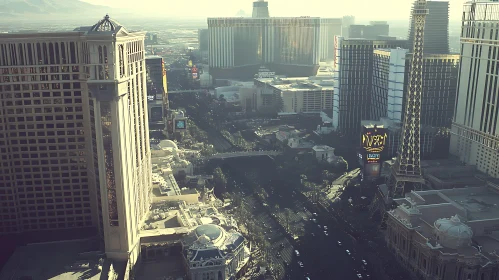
[[373, 141]]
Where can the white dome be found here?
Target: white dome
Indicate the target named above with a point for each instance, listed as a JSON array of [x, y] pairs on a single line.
[[203, 239], [452, 233], [168, 144]]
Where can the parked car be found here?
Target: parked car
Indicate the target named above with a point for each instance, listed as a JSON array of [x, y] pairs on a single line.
[[297, 253]]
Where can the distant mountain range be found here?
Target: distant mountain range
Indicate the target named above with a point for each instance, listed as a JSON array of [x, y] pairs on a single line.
[[69, 8], [242, 13]]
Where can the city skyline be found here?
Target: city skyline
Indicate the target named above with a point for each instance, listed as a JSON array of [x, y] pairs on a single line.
[[385, 10]]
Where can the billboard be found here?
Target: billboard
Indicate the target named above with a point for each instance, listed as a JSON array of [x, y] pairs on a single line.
[[337, 54], [190, 63], [372, 170], [194, 75], [180, 124], [373, 142], [194, 69]]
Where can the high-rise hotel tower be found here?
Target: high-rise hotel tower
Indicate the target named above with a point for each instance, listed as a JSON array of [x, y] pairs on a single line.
[[74, 143], [238, 47], [475, 130]]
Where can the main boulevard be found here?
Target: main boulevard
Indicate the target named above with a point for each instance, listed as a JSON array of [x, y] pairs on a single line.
[[290, 221]]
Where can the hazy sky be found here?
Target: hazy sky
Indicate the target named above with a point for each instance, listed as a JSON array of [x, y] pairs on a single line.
[[361, 9]]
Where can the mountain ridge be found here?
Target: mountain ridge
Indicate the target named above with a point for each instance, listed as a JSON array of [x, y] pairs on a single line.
[[14, 8]]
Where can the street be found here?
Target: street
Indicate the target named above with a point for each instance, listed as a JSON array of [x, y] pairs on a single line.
[[321, 256]]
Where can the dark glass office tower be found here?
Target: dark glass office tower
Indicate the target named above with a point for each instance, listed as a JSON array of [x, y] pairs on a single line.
[[260, 9], [436, 33], [371, 32], [353, 82], [203, 39]]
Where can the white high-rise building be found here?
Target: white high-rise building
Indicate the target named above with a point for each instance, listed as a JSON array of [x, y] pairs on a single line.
[[475, 130], [74, 142], [388, 83]]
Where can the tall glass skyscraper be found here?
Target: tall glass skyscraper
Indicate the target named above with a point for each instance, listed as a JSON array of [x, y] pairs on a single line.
[[436, 32]]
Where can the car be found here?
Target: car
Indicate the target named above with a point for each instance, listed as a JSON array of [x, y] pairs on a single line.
[[325, 232], [314, 220], [278, 255], [297, 253], [348, 252], [315, 214], [307, 278], [281, 245], [319, 226], [339, 243], [364, 262], [300, 264], [359, 276], [325, 227]]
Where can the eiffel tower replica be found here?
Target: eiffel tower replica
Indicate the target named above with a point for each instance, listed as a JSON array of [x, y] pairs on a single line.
[[406, 170], [407, 167]]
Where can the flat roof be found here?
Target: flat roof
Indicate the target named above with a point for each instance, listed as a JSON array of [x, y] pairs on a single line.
[[167, 268], [297, 84], [65, 260], [480, 203]]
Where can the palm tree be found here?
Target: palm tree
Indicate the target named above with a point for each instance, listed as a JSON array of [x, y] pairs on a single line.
[[287, 213]]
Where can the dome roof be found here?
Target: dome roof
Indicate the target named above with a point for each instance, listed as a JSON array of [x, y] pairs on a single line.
[[168, 144], [453, 227], [106, 24], [203, 239], [213, 232], [451, 232]]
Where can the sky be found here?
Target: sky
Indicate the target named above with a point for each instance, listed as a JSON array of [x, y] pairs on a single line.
[[361, 9]]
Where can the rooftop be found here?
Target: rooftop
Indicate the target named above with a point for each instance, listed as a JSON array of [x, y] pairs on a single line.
[[171, 266], [298, 84], [66, 260]]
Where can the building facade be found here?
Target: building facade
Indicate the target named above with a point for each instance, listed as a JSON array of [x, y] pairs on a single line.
[[347, 21], [260, 9], [440, 73], [330, 27], [73, 134], [373, 31], [441, 235], [157, 92], [390, 78], [475, 128], [239, 46], [294, 95], [216, 254], [436, 32], [203, 39], [353, 82], [388, 84]]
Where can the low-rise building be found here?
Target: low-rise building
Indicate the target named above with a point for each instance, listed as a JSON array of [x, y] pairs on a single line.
[[292, 95], [204, 242], [324, 153], [447, 234]]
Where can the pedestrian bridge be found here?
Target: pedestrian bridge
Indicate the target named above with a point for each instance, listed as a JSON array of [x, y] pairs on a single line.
[[244, 154]]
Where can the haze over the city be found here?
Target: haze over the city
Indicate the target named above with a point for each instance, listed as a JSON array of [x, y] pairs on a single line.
[[361, 9]]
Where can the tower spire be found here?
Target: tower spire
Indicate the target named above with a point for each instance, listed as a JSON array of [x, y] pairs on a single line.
[[260, 9], [407, 166]]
